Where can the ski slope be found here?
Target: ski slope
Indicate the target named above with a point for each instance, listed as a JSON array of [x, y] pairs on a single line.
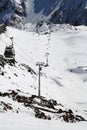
[[22, 121], [65, 79]]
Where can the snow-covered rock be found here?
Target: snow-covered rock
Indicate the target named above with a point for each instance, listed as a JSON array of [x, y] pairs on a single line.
[[12, 12]]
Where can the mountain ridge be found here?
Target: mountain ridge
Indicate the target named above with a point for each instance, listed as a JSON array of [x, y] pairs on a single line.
[[20, 12]]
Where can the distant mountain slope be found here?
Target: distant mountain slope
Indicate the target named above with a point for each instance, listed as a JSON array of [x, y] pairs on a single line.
[[71, 11], [57, 11]]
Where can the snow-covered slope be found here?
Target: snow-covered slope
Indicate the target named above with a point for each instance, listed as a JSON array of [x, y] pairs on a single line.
[[64, 80], [19, 12]]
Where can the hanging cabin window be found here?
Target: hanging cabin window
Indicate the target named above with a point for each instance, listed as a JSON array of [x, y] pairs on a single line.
[[9, 53]]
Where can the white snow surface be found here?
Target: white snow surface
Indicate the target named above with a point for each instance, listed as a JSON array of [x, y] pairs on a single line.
[[23, 121], [65, 79]]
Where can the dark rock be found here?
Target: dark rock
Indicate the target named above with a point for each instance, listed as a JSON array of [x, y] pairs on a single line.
[[60, 111], [69, 116], [2, 28], [2, 61], [2, 73], [15, 74], [6, 106], [39, 114], [29, 69], [79, 118]]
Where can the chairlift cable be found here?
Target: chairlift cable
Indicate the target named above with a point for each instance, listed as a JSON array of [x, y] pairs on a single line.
[[25, 59], [4, 42], [33, 62], [24, 52], [28, 57]]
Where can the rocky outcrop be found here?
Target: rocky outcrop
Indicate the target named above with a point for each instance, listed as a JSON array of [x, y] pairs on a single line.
[[42, 107], [12, 13]]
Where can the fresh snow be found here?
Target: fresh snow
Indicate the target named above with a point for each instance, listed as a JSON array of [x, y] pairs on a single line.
[[64, 80], [23, 121]]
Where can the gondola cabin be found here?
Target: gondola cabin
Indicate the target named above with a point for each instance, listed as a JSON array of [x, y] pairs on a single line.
[[2, 28], [10, 54]]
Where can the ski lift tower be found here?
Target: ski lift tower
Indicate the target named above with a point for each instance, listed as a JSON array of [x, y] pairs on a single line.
[[11, 40], [47, 54], [40, 65]]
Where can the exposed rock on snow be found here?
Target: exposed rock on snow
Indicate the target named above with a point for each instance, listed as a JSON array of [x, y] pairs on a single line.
[[40, 106]]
